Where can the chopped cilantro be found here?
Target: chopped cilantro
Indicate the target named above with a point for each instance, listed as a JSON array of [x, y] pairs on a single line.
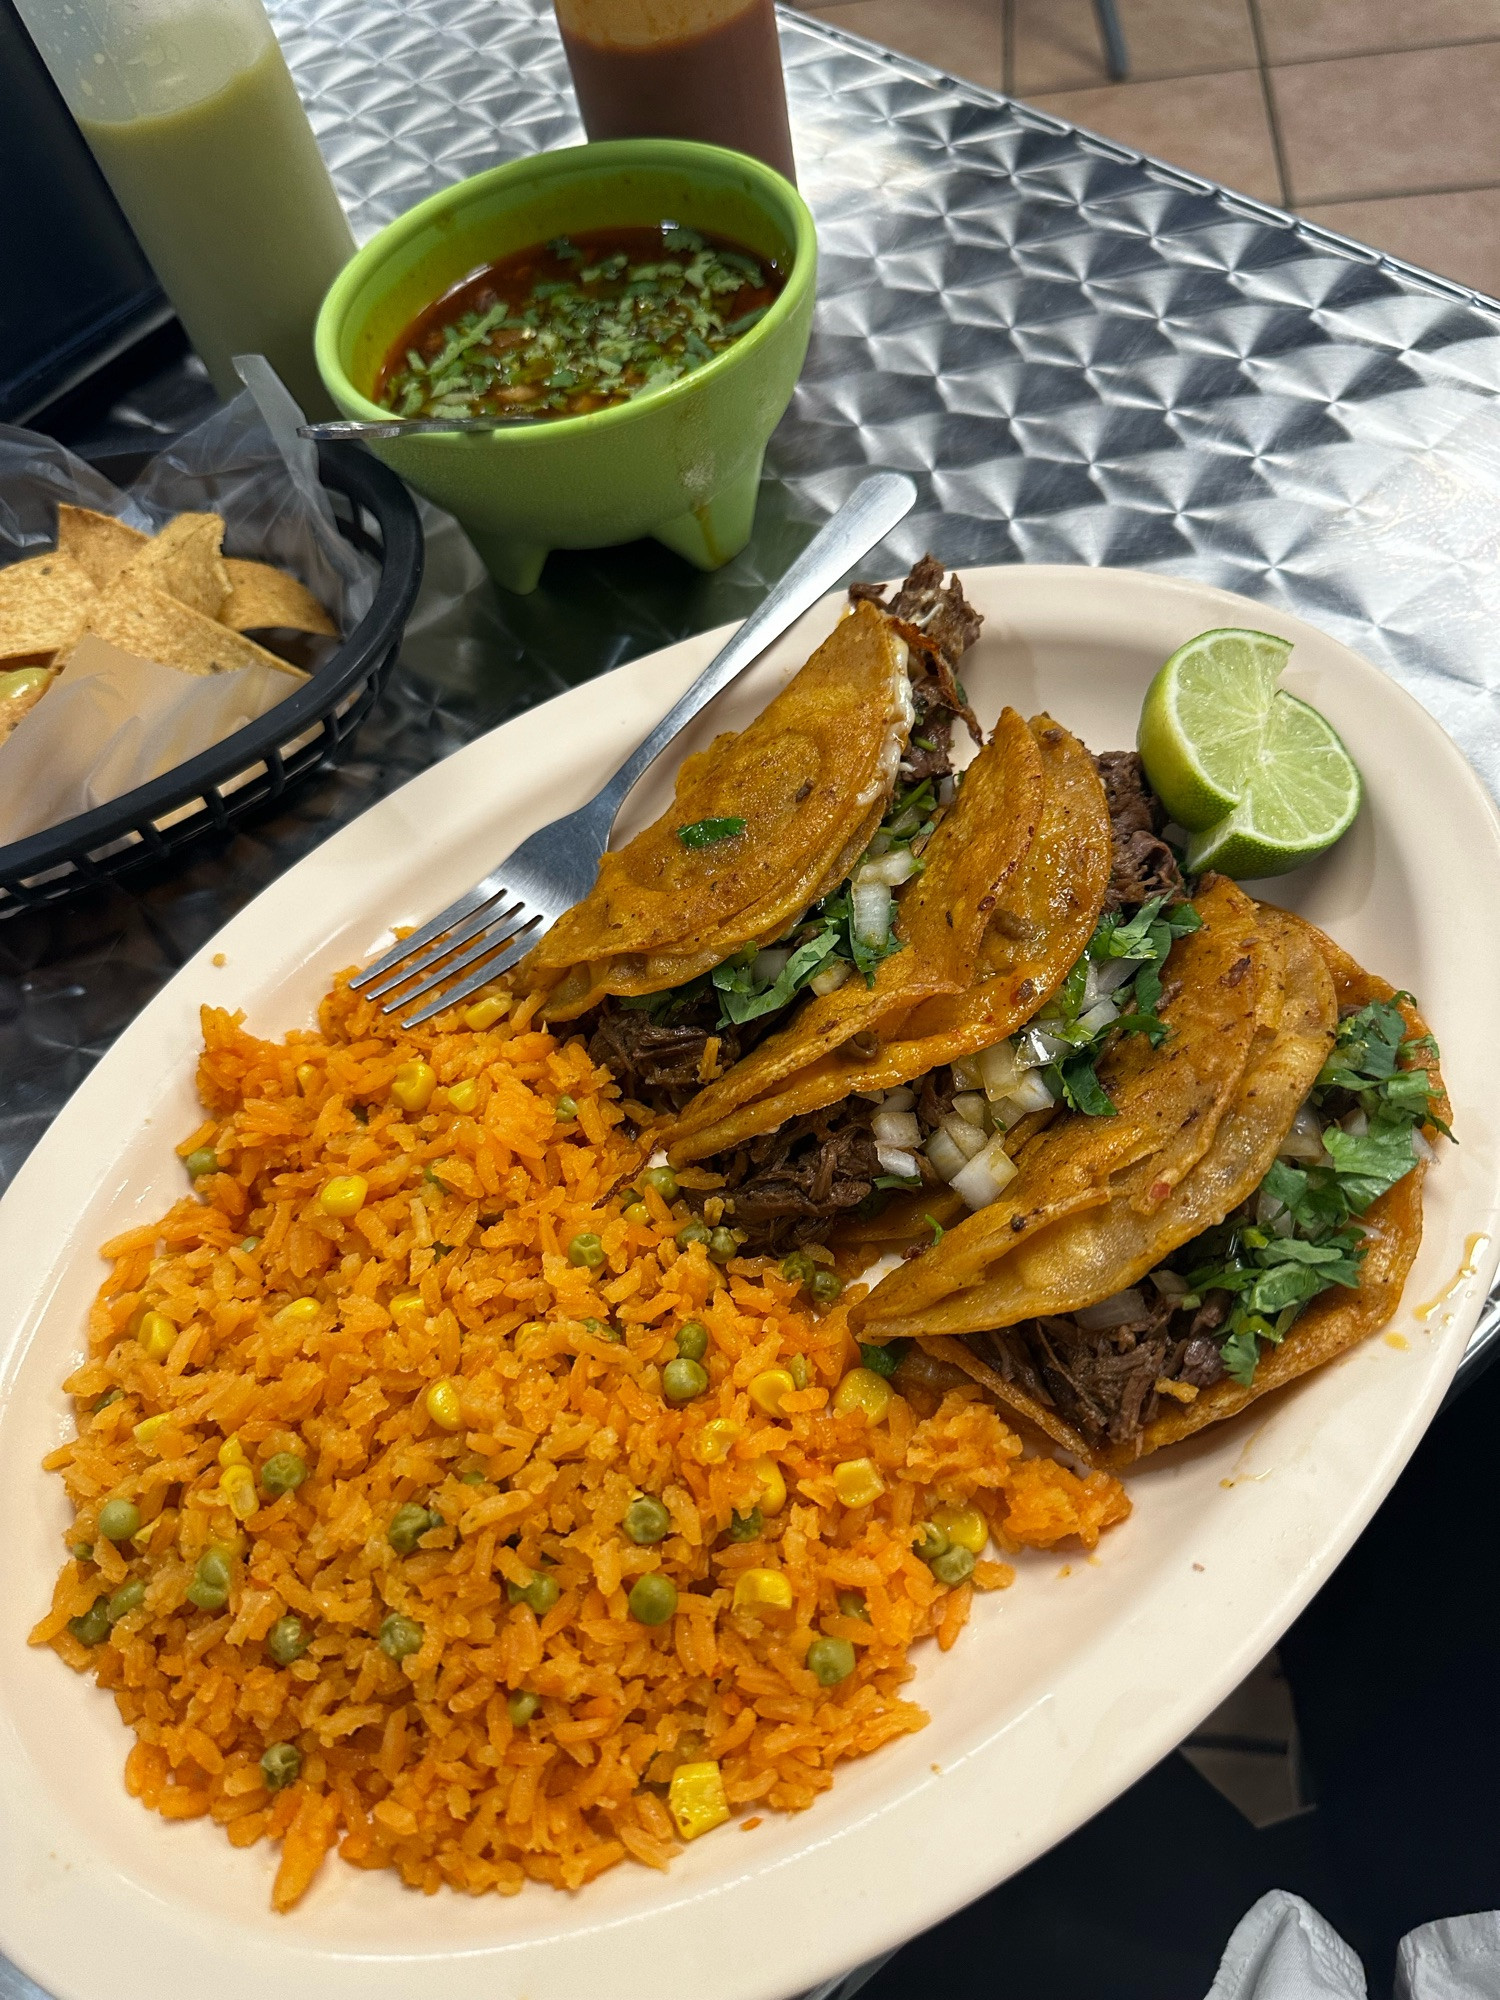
[[1143, 941], [709, 832], [824, 936], [739, 998], [898, 1180], [938, 1231], [1314, 1239]]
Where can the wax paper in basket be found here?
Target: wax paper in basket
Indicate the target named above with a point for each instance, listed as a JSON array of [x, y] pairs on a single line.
[[130, 721]]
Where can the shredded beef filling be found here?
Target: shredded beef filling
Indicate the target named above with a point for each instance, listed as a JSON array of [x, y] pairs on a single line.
[[662, 1064], [791, 1185], [1106, 1383], [1143, 865], [939, 625]]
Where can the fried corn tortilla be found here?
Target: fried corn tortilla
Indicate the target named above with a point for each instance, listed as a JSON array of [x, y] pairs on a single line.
[[44, 602], [1337, 1319], [99, 543], [1223, 984], [148, 622], [183, 562], [262, 599], [810, 778], [1020, 862]]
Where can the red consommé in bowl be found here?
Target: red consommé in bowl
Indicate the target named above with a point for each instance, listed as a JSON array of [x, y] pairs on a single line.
[[577, 324]]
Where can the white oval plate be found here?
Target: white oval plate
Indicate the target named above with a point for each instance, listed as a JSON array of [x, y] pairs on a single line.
[[1063, 1690]]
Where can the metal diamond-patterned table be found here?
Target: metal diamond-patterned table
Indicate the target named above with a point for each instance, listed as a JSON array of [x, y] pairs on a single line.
[[1080, 355]]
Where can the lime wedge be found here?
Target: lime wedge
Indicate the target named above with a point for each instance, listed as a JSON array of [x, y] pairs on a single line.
[[1204, 719], [1300, 797]]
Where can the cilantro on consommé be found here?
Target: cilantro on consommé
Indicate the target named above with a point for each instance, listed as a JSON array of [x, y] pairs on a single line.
[[576, 325], [1142, 941], [1301, 1233]]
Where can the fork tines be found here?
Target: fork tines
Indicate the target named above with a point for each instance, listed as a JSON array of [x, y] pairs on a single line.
[[479, 942]]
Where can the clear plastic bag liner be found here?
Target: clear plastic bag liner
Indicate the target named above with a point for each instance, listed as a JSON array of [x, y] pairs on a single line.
[[245, 462]]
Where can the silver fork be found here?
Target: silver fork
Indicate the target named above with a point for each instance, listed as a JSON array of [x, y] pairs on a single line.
[[486, 929]]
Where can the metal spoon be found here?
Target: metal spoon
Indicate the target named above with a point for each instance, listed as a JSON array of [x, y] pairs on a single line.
[[407, 427]]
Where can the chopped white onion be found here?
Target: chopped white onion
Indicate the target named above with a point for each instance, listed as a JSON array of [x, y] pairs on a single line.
[[1098, 1016], [1421, 1145], [768, 965], [901, 1099], [1037, 1048], [998, 1069], [1356, 1124], [1170, 1285], [984, 1178], [947, 790], [1305, 1140], [895, 1128], [893, 869], [875, 1096], [971, 1106], [1272, 1215], [896, 1160], [1029, 1094], [944, 1154], [831, 978], [1117, 1311], [872, 912], [969, 1139], [1109, 974], [966, 1074]]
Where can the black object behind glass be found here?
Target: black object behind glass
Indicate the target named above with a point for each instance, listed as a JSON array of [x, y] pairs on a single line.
[[77, 288]]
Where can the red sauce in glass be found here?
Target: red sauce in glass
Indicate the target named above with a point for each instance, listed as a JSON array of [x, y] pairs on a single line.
[[723, 86]]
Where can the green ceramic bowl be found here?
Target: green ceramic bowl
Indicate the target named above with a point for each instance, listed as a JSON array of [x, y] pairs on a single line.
[[682, 464]]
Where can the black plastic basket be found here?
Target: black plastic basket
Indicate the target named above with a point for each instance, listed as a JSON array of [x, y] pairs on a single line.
[[260, 763]]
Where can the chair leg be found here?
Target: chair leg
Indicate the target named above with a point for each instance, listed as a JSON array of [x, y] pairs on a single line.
[[1116, 55]]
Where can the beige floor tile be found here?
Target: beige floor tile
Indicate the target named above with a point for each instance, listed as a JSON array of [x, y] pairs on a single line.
[[1398, 124], [1057, 43], [1295, 30], [964, 37], [1212, 125], [1456, 235]]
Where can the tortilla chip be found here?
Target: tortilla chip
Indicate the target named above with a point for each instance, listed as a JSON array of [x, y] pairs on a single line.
[[43, 604], [941, 918], [154, 626], [99, 543], [1223, 985], [184, 562], [262, 599], [810, 777], [21, 688], [1337, 1319]]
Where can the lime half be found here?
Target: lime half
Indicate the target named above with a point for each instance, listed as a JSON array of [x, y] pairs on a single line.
[[1260, 780], [1203, 723], [1300, 797]]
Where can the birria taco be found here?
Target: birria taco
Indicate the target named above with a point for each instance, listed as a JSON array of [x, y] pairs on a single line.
[[1249, 1209], [827, 876]]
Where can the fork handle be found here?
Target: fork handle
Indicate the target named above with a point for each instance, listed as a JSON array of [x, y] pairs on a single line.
[[866, 517]]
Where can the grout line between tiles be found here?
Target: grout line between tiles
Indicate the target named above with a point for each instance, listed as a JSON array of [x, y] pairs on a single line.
[[1397, 194], [1268, 98], [1396, 49]]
